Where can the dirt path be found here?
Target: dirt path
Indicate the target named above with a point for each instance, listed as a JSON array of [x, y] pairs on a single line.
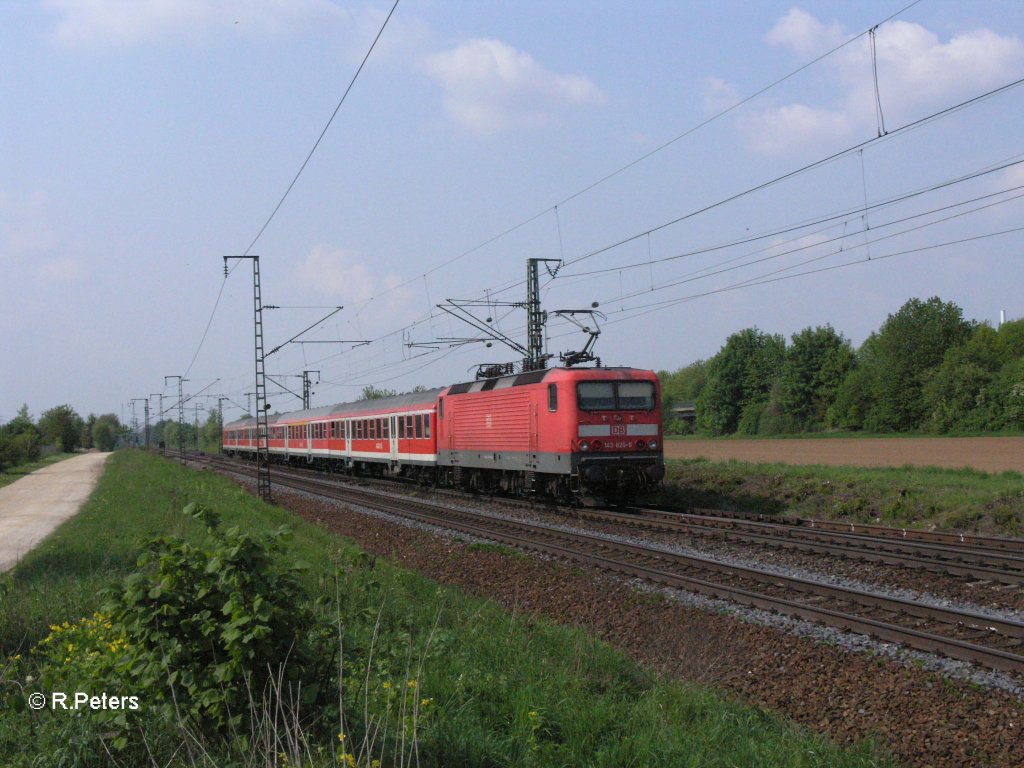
[[988, 454], [39, 502]]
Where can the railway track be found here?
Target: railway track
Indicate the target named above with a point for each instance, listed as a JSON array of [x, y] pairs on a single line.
[[969, 636], [983, 560], [974, 559]]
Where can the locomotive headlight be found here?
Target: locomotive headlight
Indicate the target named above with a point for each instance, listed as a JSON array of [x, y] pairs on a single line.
[[584, 446], [653, 444]]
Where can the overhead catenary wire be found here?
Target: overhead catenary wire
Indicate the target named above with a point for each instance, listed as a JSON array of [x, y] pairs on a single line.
[[648, 232], [305, 162], [646, 156]]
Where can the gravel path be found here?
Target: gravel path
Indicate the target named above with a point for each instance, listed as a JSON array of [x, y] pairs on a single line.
[[37, 503]]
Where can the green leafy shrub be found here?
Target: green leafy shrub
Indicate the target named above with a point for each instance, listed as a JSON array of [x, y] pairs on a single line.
[[210, 631]]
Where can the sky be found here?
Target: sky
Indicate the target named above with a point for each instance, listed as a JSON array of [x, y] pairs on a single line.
[[696, 167]]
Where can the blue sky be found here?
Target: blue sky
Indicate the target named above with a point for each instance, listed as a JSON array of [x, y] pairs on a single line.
[[142, 141]]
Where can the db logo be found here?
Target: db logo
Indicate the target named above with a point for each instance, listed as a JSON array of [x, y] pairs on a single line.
[[618, 429]]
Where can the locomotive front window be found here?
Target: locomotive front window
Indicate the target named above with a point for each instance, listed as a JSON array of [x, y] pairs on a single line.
[[596, 395], [615, 395], [635, 395]]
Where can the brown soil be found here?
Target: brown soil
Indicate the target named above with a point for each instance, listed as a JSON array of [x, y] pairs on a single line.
[[988, 454], [920, 718]]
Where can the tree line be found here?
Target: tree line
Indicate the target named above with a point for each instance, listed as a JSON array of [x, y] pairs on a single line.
[[926, 369], [23, 440]]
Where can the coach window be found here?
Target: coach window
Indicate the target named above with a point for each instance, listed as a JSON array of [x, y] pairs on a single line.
[[426, 426], [440, 408], [552, 397], [419, 426], [387, 428], [408, 427]]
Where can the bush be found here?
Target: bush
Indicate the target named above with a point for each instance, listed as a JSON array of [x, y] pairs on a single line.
[[211, 630], [18, 449]]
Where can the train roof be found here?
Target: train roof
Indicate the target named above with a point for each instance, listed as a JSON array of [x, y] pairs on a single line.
[[536, 377], [424, 397], [429, 396]]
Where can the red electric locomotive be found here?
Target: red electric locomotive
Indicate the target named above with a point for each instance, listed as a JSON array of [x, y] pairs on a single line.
[[567, 432]]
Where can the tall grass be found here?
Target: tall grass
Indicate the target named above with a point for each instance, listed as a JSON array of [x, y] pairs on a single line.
[[932, 497]]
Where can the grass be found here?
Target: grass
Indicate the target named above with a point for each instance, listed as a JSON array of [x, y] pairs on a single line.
[[15, 473], [494, 689], [923, 497]]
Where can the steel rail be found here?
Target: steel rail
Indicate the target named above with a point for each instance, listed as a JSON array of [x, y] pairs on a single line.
[[976, 541], [997, 566]]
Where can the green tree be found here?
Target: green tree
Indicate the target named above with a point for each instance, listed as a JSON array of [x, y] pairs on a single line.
[[105, 431], [86, 439], [817, 363], [61, 426], [22, 423], [907, 350], [210, 433], [681, 387], [370, 392], [739, 380]]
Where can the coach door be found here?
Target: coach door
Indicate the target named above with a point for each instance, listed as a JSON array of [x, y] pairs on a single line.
[[393, 435]]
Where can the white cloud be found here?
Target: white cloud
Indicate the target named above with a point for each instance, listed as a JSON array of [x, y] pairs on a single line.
[[340, 277], [775, 131], [917, 72], [1009, 178], [88, 23], [490, 86], [335, 274], [802, 33], [719, 95]]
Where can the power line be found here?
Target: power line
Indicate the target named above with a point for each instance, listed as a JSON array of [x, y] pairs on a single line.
[[642, 158], [836, 218], [657, 306], [905, 128], [324, 131], [295, 179]]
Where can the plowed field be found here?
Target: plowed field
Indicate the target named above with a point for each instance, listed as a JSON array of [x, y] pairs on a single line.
[[988, 454]]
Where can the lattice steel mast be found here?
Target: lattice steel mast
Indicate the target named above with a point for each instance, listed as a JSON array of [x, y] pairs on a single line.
[[262, 432]]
